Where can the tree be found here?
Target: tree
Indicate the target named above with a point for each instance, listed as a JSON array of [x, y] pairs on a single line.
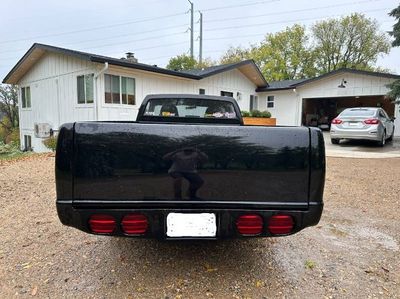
[[394, 87], [9, 120], [9, 105], [235, 54], [185, 62], [395, 13], [350, 42], [285, 55]]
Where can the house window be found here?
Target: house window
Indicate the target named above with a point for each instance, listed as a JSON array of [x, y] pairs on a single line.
[[26, 97], [85, 89], [27, 143], [270, 101], [119, 90], [226, 94], [253, 102], [202, 91]]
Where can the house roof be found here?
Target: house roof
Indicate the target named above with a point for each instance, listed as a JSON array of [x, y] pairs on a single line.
[[290, 84], [247, 67]]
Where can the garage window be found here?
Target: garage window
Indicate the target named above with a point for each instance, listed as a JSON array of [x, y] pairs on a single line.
[[270, 101]]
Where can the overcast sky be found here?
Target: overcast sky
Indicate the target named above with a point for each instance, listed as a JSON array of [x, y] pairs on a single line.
[[156, 30]]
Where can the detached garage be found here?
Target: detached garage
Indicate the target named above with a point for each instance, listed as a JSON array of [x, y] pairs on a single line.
[[316, 101]]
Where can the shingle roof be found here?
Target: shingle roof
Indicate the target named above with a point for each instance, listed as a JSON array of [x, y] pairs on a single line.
[[284, 83], [289, 84], [193, 74], [214, 69]]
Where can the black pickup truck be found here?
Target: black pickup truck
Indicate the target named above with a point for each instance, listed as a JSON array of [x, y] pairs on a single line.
[[188, 168]]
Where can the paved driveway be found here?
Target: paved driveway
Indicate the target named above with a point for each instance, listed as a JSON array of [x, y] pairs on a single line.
[[361, 148]]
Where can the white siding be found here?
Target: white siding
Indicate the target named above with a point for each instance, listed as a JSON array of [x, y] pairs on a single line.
[[53, 87], [151, 83], [53, 83], [357, 85], [286, 106]]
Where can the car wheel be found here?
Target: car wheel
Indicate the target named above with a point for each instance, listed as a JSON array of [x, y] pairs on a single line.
[[383, 139], [391, 136], [335, 140]]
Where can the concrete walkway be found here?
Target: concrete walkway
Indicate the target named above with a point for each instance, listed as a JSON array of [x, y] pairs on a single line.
[[361, 148]]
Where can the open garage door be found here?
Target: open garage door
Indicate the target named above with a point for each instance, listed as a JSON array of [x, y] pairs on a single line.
[[320, 111]]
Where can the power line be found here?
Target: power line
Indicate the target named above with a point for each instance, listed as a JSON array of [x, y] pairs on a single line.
[[282, 22], [239, 5], [138, 49], [293, 11], [83, 11], [107, 38], [94, 28]]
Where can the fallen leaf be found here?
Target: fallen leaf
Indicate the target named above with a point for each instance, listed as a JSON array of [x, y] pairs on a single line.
[[259, 284], [34, 291], [209, 268]]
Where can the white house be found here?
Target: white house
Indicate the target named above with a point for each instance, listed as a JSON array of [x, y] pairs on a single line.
[[60, 85]]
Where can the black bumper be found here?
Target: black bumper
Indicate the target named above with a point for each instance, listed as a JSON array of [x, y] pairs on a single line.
[[78, 217]]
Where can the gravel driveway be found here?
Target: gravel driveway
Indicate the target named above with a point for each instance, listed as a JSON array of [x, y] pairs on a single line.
[[352, 253]]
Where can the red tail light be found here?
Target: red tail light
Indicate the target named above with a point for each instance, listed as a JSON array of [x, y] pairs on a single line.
[[371, 121], [280, 224], [135, 224], [102, 224], [251, 224], [336, 121]]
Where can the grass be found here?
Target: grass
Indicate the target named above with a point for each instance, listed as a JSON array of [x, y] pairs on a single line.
[[14, 156], [309, 264]]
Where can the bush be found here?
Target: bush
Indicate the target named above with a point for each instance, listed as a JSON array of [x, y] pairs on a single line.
[[255, 113], [265, 114], [245, 113], [51, 143], [10, 148]]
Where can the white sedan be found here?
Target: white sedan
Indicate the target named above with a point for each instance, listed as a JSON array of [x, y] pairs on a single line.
[[362, 123]]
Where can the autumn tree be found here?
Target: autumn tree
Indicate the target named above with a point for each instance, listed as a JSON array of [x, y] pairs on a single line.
[[185, 62], [349, 42], [394, 92], [285, 55], [9, 120], [235, 54]]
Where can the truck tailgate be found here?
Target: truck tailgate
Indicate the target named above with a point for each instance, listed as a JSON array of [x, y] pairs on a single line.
[[121, 163]]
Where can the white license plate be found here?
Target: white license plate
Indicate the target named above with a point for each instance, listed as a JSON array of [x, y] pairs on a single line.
[[191, 225]]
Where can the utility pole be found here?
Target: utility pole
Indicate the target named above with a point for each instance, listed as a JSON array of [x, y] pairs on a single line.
[[191, 29], [201, 38]]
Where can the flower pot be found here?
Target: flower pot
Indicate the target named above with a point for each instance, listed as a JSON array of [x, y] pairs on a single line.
[[259, 121]]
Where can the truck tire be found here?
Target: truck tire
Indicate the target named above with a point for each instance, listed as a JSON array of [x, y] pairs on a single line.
[[335, 140]]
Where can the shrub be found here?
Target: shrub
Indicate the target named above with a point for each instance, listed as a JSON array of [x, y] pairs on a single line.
[[265, 114], [10, 148], [51, 143], [255, 113], [245, 113]]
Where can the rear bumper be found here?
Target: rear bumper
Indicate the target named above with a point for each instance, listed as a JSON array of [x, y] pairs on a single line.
[[373, 133], [78, 217]]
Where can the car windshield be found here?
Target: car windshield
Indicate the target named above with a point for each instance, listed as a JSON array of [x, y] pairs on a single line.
[[191, 108], [358, 112]]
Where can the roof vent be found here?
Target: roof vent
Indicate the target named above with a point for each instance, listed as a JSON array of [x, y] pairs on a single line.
[[131, 57]]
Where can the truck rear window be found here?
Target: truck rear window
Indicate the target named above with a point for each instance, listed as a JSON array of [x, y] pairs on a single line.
[[190, 108]]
